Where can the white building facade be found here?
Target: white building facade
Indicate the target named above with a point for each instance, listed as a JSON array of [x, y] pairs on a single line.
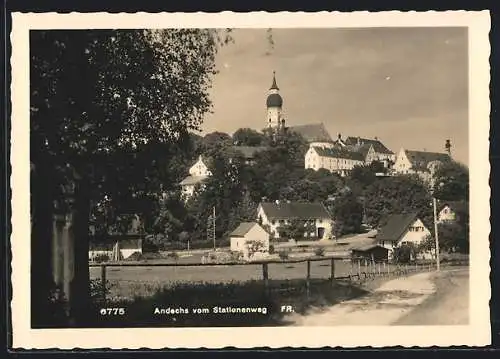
[[250, 240], [334, 160], [197, 174], [316, 219]]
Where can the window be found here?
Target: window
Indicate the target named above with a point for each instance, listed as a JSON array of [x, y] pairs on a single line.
[[273, 222], [282, 221]]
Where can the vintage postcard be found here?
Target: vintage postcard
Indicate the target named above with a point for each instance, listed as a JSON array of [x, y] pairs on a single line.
[[250, 180]]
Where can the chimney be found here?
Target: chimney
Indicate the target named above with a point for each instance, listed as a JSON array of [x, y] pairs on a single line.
[[447, 147], [340, 136], [376, 138]]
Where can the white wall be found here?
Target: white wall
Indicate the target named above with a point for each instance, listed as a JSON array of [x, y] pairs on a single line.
[[256, 233], [325, 223], [446, 215], [199, 169], [124, 252], [341, 166], [128, 252], [402, 163]]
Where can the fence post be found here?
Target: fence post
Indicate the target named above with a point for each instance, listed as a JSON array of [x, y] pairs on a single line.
[[308, 278], [378, 268], [359, 268], [332, 271], [265, 275], [103, 282]]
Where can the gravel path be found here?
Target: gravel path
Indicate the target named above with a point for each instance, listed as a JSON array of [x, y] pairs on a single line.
[[384, 306], [448, 306]]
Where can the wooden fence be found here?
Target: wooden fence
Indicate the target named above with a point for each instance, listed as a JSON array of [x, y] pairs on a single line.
[[361, 269]]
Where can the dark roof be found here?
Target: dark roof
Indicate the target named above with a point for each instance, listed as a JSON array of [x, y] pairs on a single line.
[[294, 210], [339, 153], [111, 242], [421, 159], [315, 132], [192, 180], [396, 225], [248, 152], [378, 146], [243, 229], [368, 247], [274, 100], [454, 205]]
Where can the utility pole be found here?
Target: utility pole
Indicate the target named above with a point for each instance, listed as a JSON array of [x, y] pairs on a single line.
[[213, 218], [436, 233]]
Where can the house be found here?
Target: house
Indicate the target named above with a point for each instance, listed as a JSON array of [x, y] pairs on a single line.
[[401, 229], [118, 243], [316, 219], [372, 150], [335, 160], [372, 252], [448, 212], [116, 248], [251, 240], [422, 163], [198, 173]]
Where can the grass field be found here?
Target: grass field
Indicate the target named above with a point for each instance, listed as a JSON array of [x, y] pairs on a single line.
[[129, 282]]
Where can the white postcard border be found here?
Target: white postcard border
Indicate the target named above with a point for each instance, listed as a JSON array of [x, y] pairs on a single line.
[[477, 333]]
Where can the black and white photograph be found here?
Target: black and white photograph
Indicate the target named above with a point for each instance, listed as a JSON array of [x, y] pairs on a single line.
[[252, 175]]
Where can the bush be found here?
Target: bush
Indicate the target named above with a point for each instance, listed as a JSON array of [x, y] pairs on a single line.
[[100, 258], [283, 255], [320, 251], [173, 255]]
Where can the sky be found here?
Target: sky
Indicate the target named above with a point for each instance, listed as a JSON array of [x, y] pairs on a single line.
[[406, 86]]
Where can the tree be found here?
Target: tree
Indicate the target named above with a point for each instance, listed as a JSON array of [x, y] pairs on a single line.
[[248, 137], [453, 237], [452, 182], [404, 253], [398, 194], [348, 214], [222, 190], [215, 142], [102, 101], [295, 229]]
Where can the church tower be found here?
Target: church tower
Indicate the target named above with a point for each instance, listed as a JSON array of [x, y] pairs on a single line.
[[274, 105]]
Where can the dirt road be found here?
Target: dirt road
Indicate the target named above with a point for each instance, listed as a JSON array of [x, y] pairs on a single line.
[[423, 299], [448, 306]]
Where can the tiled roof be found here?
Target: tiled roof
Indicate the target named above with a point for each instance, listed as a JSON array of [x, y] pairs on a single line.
[[339, 153], [243, 229], [421, 159], [396, 225], [111, 241], [192, 180], [312, 133], [368, 247], [378, 146], [454, 205], [294, 210]]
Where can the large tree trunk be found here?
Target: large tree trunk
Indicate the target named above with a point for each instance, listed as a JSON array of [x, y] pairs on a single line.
[[79, 285], [42, 283]]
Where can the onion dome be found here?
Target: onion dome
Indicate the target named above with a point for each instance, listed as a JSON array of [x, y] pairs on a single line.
[[274, 99]]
